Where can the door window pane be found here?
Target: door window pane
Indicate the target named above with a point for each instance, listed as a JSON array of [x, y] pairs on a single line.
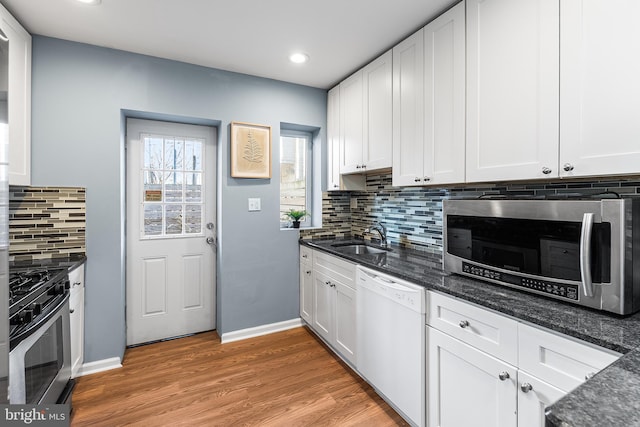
[[173, 186]]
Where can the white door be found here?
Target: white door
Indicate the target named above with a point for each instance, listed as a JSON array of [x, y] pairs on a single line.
[[323, 300], [171, 196], [468, 387], [599, 90], [512, 89]]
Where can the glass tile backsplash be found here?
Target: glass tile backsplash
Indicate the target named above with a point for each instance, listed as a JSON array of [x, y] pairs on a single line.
[[413, 215], [46, 222]]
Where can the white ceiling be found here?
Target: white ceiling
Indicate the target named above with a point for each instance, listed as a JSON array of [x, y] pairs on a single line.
[[246, 36]]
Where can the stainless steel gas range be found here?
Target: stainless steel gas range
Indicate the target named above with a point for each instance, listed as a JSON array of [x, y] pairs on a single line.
[[39, 337]]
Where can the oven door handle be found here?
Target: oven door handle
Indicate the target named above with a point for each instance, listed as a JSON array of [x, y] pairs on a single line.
[[34, 327], [585, 254]]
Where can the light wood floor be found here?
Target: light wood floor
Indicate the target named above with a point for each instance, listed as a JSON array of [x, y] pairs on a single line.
[[283, 379]]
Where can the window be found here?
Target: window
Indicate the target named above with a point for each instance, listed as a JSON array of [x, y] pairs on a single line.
[[172, 192], [295, 173]]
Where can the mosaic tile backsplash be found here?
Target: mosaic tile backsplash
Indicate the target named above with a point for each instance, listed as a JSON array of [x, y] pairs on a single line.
[[46, 222], [413, 215]]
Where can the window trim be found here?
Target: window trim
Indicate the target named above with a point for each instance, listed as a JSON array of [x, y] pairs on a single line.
[[306, 222]]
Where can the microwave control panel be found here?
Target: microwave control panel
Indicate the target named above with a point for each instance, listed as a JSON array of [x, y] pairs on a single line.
[[561, 290]]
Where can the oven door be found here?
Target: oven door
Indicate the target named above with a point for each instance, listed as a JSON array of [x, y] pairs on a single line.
[[40, 365]]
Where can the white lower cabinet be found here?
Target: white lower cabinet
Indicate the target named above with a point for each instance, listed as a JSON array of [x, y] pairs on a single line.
[[534, 395], [306, 284], [76, 318], [465, 385], [486, 369], [328, 300]]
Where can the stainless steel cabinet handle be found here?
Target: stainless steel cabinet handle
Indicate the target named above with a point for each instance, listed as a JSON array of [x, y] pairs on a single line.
[[546, 171], [526, 387], [568, 167], [464, 324], [504, 376]]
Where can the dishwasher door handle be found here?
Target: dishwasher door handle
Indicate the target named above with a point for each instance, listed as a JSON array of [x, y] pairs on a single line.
[[383, 281]]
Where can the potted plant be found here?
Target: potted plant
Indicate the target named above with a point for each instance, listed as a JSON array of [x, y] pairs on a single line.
[[296, 216]]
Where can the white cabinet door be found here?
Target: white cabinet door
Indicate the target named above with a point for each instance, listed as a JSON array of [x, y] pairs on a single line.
[[512, 89], [76, 319], [351, 125], [306, 291], [336, 181], [377, 114], [323, 306], [465, 388], [345, 321], [18, 99], [408, 111], [444, 75], [333, 139], [534, 395], [599, 91]]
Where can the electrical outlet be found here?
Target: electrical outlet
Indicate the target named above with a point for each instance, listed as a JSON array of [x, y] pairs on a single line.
[[254, 205]]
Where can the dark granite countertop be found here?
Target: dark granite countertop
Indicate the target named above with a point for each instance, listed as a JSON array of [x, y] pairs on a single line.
[[70, 263], [612, 397]]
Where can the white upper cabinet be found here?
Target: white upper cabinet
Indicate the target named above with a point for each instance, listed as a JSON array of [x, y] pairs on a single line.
[[18, 99], [429, 103], [336, 181], [599, 90], [512, 89], [366, 118]]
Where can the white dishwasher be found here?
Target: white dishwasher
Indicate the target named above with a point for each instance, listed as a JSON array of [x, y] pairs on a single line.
[[391, 340]]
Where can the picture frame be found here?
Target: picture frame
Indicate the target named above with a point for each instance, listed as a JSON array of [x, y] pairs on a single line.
[[250, 150]]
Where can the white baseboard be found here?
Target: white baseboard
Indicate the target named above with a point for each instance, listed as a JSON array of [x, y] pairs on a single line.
[[257, 331], [99, 366]]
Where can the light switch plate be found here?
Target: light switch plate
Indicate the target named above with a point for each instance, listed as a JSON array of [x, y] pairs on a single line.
[[254, 205]]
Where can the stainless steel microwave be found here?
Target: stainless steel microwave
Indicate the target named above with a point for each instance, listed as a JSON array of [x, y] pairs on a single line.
[[585, 252]]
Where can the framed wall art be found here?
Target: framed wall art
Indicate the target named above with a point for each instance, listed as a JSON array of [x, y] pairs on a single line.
[[250, 150]]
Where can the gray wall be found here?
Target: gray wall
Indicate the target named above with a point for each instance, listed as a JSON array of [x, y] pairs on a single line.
[[80, 96]]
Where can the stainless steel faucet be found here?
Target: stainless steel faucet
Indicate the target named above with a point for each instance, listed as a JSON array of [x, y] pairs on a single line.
[[382, 231]]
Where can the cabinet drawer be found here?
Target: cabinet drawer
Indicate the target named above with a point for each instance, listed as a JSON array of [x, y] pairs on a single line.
[[336, 268], [306, 254], [561, 361], [487, 331]]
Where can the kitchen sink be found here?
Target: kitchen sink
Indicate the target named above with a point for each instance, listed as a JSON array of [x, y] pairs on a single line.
[[358, 249]]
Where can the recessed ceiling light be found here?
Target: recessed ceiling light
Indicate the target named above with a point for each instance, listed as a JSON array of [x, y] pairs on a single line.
[[92, 2], [299, 58]]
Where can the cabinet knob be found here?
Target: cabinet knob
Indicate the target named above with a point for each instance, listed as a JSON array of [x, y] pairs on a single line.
[[526, 387], [416, 180], [568, 167], [327, 283], [358, 166], [309, 272], [464, 324], [335, 185], [364, 166], [71, 311], [589, 376], [504, 375], [304, 256], [426, 179], [546, 170]]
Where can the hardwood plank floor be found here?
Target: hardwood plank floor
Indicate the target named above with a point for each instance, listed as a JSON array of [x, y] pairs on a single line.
[[284, 379]]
